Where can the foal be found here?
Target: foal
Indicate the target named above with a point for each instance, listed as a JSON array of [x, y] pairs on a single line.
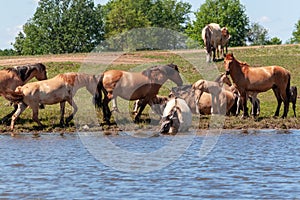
[[218, 95], [59, 89]]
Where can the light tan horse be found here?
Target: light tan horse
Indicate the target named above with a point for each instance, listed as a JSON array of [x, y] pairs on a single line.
[[215, 88], [213, 37], [13, 77], [133, 86], [204, 105], [59, 89], [259, 79]]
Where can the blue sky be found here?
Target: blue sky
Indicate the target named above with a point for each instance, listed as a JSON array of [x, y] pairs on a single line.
[[279, 17]]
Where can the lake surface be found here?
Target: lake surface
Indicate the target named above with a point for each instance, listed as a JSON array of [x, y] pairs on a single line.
[[240, 164]]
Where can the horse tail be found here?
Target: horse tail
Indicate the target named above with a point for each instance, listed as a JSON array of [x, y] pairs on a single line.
[[98, 96], [13, 96], [208, 39]]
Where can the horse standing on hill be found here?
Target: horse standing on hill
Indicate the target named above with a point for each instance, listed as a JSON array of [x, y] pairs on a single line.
[[13, 77], [213, 37], [259, 79], [60, 89], [133, 86]]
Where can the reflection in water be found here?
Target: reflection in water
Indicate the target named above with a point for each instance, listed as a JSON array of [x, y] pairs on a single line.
[[252, 164]]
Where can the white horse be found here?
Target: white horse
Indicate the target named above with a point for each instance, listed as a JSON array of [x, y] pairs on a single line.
[[177, 117], [213, 37]]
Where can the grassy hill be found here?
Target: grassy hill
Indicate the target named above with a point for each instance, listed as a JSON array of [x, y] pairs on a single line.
[[192, 67]]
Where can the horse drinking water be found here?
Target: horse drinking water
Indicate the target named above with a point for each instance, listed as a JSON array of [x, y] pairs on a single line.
[[13, 77], [259, 79], [133, 86]]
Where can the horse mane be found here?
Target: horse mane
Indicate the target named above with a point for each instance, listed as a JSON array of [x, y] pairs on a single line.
[[23, 72], [165, 68], [219, 77]]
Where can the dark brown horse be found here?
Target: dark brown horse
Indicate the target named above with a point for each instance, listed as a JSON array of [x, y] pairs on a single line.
[[13, 77], [259, 79], [133, 86]]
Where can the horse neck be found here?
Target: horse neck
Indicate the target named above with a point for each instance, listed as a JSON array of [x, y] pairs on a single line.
[[238, 71], [30, 75], [87, 81]]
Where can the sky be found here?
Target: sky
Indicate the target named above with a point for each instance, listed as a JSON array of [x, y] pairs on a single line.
[[277, 16]]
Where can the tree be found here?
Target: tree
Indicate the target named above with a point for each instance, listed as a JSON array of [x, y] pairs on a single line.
[[123, 16], [61, 26], [257, 34], [296, 34], [229, 13]]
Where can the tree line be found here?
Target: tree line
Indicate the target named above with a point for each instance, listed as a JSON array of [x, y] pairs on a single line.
[[70, 26]]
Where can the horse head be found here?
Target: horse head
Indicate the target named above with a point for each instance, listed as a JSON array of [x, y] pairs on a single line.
[[160, 74], [170, 122], [227, 62], [41, 72], [172, 72]]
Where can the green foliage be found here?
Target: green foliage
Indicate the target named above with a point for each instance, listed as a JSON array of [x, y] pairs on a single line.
[[229, 13], [7, 52], [296, 34], [61, 26], [258, 35], [124, 15]]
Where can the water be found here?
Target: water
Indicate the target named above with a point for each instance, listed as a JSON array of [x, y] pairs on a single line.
[[255, 164]]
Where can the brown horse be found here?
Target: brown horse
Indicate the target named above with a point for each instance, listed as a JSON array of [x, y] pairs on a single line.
[[59, 89], [11, 78], [133, 86], [259, 79]]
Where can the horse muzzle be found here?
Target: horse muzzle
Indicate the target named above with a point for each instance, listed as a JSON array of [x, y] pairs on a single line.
[[227, 72]]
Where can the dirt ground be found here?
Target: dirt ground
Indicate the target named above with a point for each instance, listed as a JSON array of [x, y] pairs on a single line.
[[99, 58]]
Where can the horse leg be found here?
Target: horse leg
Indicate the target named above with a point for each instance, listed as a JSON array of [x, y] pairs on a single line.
[[294, 108], [62, 113], [106, 110], [35, 115], [115, 105], [8, 116], [20, 108], [142, 107], [244, 102], [75, 109], [279, 101]]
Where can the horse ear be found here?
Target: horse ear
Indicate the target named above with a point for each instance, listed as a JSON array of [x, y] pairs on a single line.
[[229, 56]]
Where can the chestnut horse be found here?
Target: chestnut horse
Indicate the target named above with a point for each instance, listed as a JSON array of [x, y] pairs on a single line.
[[13, 77], [59, 89], [133, 86], [259, 79]]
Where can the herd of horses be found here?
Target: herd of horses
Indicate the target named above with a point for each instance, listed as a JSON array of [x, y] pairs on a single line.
[[219, 97]]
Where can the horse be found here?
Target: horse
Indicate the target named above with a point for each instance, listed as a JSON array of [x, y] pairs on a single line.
[[204, 105], [293, 98], [59, 89], [133, 86], [11, 78], [177, 117], [218, 96], [213, 37], [255, 102], [157, 104], [259, 79]]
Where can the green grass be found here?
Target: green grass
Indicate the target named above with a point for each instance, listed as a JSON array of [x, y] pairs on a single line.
[[192, 67]]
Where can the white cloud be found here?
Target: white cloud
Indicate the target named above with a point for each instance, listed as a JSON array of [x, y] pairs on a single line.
[[264, 19]]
